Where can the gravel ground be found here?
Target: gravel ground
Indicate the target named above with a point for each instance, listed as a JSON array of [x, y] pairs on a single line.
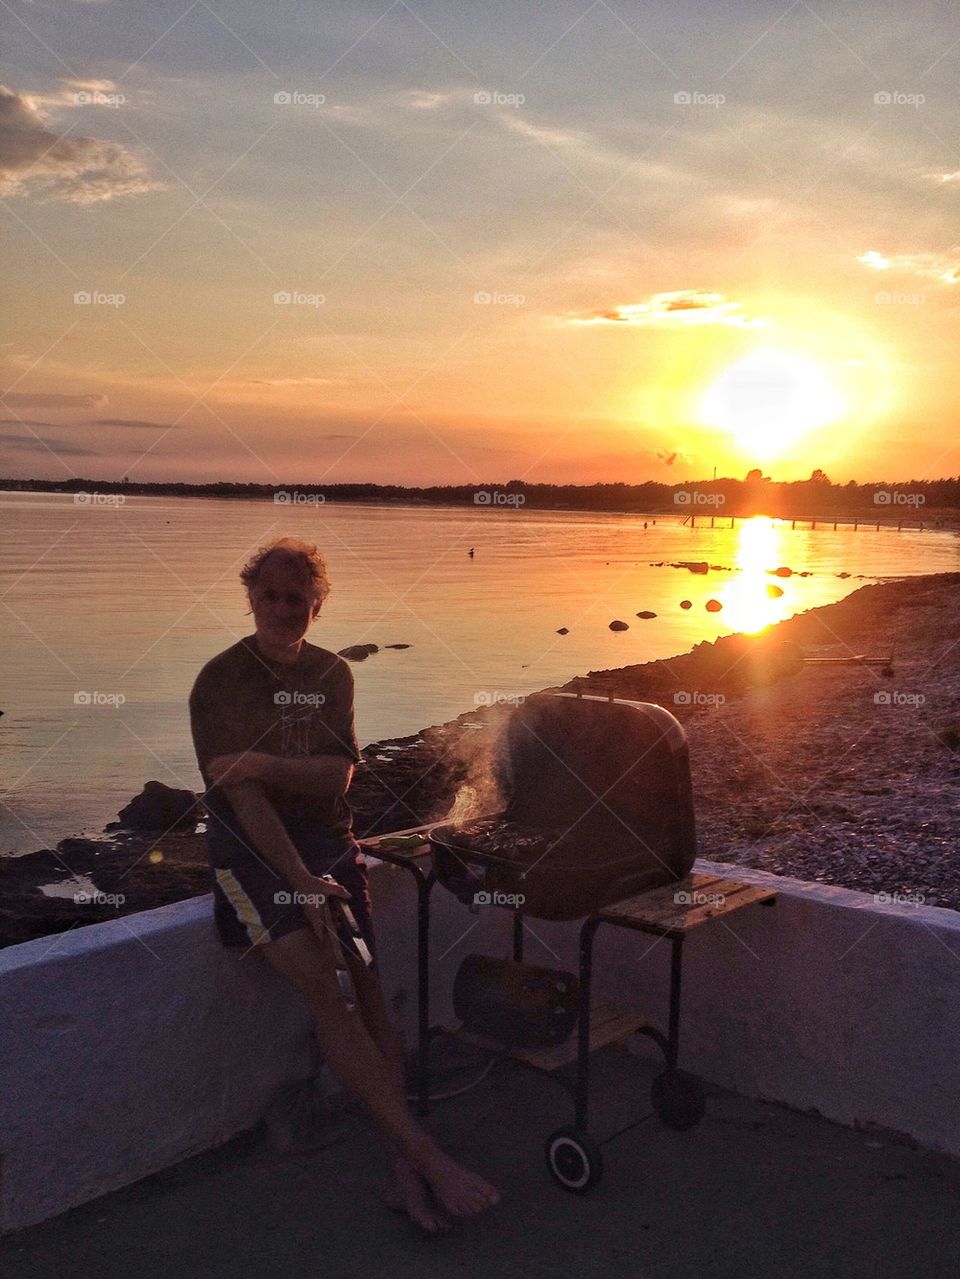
[[836, 773]]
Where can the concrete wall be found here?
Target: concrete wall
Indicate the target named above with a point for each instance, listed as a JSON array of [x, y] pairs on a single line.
[[125, 1047], [129, 1045]]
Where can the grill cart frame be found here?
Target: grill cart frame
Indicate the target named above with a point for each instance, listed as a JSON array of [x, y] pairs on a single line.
[[573, 1155]]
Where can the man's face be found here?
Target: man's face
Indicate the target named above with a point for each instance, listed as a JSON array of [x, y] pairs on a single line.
[[283, 601]]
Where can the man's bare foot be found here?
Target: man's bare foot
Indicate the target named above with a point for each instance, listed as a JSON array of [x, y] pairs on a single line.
[[410, 1194], [461, 1192]]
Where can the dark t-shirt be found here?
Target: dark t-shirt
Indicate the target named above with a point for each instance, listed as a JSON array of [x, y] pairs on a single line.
[[242, 701]]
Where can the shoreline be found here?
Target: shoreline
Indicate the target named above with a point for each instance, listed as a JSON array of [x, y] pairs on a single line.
[[797, 768], [937, 519]]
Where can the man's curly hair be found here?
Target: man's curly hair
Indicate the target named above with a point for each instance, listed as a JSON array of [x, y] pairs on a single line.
[[300, 554]]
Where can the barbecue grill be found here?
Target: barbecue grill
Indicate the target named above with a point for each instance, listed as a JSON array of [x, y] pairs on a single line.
[[596, 821], [598, 807]]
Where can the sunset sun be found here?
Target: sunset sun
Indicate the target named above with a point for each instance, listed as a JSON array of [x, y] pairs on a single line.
[[769, 400]]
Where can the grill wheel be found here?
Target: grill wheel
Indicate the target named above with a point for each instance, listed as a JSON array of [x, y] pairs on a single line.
[[574, 1160]]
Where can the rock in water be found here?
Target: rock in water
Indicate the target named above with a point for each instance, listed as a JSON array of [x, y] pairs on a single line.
[[686, 603], [563, 631], [646, 614], [396, 646], [713, 606], [619, 626], [160, 807], [358, 652], [774, 591]]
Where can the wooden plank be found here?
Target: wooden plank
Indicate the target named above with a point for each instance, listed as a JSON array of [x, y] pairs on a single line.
[[661, 902], [670, 918], [748, 895], [608, 1024], [610, 1031]]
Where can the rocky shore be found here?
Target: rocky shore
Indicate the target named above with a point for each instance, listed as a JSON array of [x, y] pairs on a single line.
[[829, 770]]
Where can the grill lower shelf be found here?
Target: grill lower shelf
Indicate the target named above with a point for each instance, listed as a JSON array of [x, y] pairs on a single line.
[[608, 1025]]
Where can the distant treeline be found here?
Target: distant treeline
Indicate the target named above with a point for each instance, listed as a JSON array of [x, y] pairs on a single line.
[[757, 494]]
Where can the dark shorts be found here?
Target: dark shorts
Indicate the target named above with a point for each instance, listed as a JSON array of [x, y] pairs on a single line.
[[254, 904]]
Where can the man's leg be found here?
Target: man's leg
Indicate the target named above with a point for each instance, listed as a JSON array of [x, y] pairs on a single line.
[[308, 963], [409, 1190]]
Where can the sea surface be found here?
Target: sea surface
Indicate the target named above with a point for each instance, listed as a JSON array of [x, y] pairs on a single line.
[[109, 611]]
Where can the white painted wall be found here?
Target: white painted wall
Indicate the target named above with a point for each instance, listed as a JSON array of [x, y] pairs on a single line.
[[826, 1001], [127, 1046]]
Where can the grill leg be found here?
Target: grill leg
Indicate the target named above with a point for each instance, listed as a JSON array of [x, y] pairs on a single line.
[[587, 933], [424, 885], [517, 937], [673, 1033]]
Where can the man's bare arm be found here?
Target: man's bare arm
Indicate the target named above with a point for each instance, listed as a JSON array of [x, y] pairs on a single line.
[[263, 826], [323, 776]]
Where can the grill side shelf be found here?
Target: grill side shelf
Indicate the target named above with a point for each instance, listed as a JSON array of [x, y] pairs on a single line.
[[676, 909]]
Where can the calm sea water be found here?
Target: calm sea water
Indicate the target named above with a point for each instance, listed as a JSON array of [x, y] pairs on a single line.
[[130, 601]]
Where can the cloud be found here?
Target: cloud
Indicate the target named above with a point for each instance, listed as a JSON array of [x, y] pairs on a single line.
[[26, 421], [34, 161], [296, 381], [36, 444], [929, 266], [428, 100], [688, 306], [48, 400], [135, 424], [551, 137]]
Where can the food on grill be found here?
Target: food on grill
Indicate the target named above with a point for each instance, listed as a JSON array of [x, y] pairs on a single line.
[[511, 841]]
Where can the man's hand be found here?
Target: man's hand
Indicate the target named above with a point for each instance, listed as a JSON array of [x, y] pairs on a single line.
[[242, 766], [317, 890]]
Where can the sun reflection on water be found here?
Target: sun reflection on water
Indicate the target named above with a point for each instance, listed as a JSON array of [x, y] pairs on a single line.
[[748, 605]]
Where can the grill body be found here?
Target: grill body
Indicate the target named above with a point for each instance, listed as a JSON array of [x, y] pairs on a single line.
[[599, 806]]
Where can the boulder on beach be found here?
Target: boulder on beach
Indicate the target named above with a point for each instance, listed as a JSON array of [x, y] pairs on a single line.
[[358, 652], [646, 614], [160, 807], [619, 626]]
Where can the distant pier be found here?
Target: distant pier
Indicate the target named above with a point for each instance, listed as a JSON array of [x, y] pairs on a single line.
[[808, 522]]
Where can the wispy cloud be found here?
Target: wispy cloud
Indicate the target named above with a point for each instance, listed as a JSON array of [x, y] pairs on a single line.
[[134, 424], [49, 400], [929, 266], [687, 306], [296, 381], [36, 444]]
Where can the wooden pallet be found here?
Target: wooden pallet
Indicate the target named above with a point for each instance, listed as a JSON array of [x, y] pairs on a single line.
[[608, 1025], [677, 908]]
